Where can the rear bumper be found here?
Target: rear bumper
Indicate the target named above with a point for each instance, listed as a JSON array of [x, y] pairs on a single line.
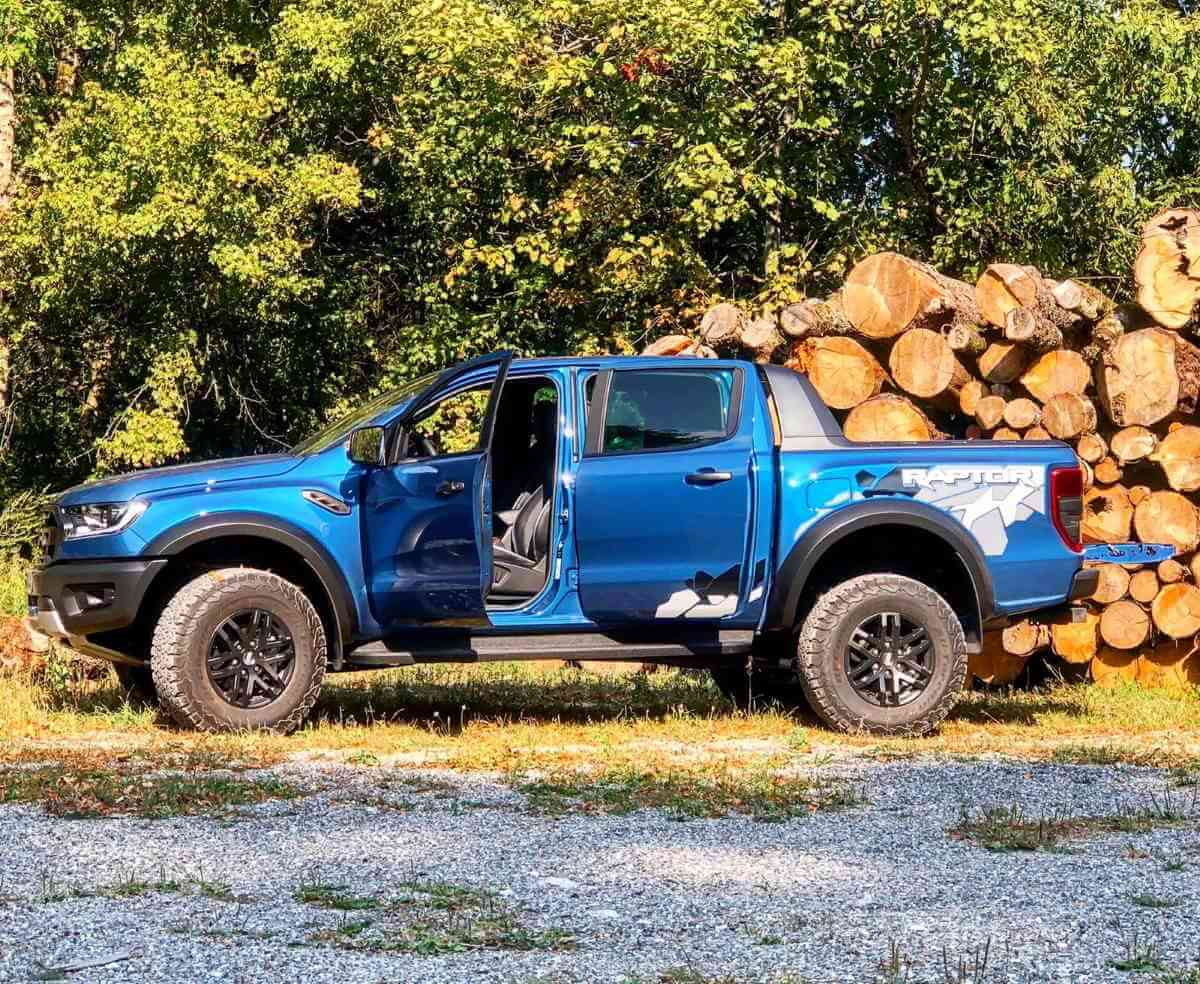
[[68, 600], [1084, 583]]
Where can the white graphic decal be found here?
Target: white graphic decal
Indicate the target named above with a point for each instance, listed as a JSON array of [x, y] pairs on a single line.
[[987, 501], [688, 604]]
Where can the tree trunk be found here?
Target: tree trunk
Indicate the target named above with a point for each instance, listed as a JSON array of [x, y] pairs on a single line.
[[966, 339], [1107, 515], [989, 412], [843, 373], [1005, 434], [1091, 448], [887, 294], [1083, 299], [1124, 625], [1113, 585], [1002, 362], [1171, 571], [1076, 642], [1170, 664], [8, 142], [815, 319], [1137, 383], [1107, 471], [1176, 611], [1023, 325], [678, 345], [1039, 433], [1021, 413], [1179, 457], [723, 325], [1060, 371], [1025, 637], [1067, 415], [1167, 268], [1167, 517], [969, 396], [1114, 667], [923, 364], [762, 338], [888, 418], [1143, 586], [1133, 444], [993, 665]]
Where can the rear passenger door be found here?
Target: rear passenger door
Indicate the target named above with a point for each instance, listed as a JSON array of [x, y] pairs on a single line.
[[663, 496]]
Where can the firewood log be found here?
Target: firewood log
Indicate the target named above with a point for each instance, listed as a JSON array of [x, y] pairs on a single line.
[[1021, 414], [1167, 517], [966, 339], [1133, 444], [924, 365], [1089, 476], [1091, 448], [1124, 625], [1060, 371], [993, 665], [843, 373], [1005, 434], [815, 319], [1067, 415], [1176, 610], [1194, 567], [762, 338], [1143, 586], [887, 294], [1083, 299], [1113, 584], [677, 345], [1023, 325], [723, 325], [1037, 433], [889, 418], [1170, 664], [989, 412], [969, 396], [1171, 571], [1017, 300], [1003, 362], [1025, 637], [1108, 471], [1167, 268], [1187, 368], [1138, 494], [1137, 382], [1114, 667], [1179, 457], [1076, 642], [1107, 515]]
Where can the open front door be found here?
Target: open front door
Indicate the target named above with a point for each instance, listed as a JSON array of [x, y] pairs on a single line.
[[427, 514]]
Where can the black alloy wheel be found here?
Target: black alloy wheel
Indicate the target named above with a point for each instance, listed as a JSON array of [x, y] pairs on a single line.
[[889, 659], [251, 657]]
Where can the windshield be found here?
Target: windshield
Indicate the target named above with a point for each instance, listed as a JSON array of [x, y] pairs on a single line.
[[340, 429]]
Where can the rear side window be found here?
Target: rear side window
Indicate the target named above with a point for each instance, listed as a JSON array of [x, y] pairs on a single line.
[[663, 409]]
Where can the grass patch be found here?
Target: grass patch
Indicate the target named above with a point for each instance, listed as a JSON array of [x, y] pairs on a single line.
[[1138, 958], [764, 795], [328, 896], [1148, 901], [1003, 828], [91, 793]]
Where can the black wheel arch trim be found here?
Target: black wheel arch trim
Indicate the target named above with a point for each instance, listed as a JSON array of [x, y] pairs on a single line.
[[203, 528], [808, 551]]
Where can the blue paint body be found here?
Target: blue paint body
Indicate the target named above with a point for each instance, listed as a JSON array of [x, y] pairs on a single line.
[[628, 533]]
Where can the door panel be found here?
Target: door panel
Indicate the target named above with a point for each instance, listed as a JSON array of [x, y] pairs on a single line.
[[662, 534], [426, 522]]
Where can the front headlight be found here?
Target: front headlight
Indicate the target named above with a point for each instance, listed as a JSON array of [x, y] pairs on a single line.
[[99, 517]]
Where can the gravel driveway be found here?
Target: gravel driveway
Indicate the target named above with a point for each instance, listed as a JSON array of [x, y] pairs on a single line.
[[825, 897]]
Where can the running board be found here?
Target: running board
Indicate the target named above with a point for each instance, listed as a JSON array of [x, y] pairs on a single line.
[[483, 648]]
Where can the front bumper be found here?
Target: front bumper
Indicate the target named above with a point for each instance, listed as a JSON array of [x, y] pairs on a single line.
[[69, 599]]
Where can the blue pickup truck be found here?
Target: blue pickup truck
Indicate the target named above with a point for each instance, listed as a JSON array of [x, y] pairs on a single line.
[[690, 512]]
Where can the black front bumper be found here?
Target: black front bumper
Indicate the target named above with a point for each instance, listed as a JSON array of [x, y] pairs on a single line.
[[71, 600]]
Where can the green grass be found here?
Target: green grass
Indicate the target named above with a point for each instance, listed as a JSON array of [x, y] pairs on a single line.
[[762, 794], [1148, 901], [13, 599], [328, 896], [89, 793]]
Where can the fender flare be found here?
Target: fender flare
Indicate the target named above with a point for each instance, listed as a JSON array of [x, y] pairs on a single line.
[[824, 534], [203, 528]]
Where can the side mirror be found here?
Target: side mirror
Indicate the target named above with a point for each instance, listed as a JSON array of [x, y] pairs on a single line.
[[365, 446]]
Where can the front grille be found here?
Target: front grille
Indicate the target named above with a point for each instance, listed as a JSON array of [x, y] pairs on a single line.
[[51, 537]]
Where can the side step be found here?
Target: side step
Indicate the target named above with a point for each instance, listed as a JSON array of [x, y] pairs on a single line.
[[483, 648]]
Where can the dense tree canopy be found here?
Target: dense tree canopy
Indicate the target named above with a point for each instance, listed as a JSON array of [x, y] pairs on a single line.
[[227, 219]]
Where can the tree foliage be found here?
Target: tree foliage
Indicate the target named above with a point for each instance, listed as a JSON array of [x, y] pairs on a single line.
[[232, 218]]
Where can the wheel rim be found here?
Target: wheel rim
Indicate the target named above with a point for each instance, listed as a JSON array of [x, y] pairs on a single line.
[[889, 659], [251, 658]]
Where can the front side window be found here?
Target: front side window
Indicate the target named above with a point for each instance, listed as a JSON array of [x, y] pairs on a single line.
[[663, 409]]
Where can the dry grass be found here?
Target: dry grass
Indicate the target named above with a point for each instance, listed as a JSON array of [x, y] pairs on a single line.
[[528, 720]]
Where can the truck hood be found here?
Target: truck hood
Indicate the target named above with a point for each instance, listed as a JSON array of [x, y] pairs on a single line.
[[121, 488]]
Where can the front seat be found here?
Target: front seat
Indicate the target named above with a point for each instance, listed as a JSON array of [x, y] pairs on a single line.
[[519, 556]]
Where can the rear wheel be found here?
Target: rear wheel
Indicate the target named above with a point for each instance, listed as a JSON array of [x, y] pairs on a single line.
[[884, 654], [239, 649]]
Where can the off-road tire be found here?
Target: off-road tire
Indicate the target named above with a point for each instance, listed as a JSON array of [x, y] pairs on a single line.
[[826, 633], [180, 649], [137, 684]]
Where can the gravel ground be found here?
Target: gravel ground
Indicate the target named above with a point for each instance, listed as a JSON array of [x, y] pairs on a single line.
[[820, 898]]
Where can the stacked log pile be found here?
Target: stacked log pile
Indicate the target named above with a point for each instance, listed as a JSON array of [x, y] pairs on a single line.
[[904, 353]]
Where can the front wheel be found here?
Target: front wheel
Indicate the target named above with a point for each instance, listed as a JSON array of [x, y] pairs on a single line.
[[239, 649], [884, 654]]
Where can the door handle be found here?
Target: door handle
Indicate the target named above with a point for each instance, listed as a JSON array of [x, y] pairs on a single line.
[[450, 488], [708, 476]]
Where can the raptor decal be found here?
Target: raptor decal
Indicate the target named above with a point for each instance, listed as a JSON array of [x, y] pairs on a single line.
[[704, 597]]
